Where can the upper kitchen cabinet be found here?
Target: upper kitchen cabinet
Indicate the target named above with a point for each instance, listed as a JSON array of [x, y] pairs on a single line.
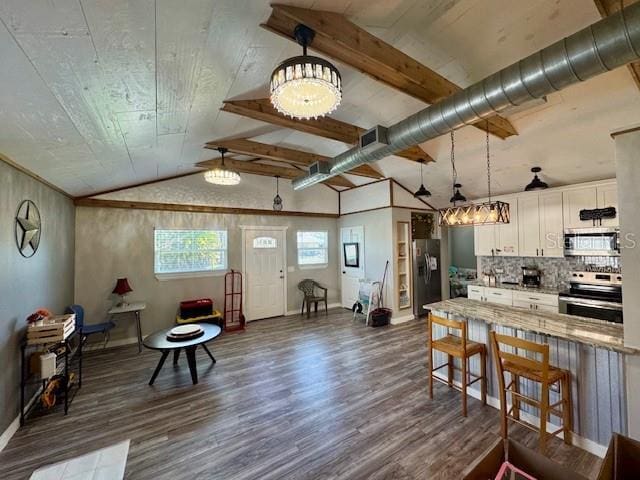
[[608, 197], [529, 226], [506, 235], [540, 226], [588, 198], [501, 239], [484, 240], [576, 200], [551, 225]]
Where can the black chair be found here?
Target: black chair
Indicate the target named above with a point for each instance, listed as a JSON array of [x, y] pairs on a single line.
[[86, 330], [309, 288]]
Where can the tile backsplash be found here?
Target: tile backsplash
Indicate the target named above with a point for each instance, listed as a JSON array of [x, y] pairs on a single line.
[[555, 271]]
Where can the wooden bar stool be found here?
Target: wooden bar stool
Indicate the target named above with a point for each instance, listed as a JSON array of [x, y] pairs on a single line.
[[456, 346], [534, 366]]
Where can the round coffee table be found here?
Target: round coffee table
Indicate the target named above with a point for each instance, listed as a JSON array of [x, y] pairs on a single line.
[[158, 341]]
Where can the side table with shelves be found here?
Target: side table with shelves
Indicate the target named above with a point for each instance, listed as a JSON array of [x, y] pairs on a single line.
[[68, 360]]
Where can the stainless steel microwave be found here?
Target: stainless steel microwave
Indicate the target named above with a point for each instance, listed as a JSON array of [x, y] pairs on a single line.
[[592, 242]]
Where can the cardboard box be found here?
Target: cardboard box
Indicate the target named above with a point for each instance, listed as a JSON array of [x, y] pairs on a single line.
[[622, 461], [486, 467]]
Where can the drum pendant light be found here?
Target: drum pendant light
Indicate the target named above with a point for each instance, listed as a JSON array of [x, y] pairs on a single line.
[[305, 87], [222, 175]]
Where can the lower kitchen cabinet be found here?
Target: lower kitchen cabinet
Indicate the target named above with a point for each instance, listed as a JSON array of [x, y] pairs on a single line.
[[498, 295], [545, 302]]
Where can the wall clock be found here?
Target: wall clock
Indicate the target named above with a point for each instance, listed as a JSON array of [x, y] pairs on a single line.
[[28, 228]]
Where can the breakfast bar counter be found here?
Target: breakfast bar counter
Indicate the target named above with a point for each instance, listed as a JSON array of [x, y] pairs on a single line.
[[591, 350], [567, 327]]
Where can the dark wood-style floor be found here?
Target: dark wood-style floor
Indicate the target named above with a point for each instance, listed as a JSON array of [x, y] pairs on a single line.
[[319, 398]]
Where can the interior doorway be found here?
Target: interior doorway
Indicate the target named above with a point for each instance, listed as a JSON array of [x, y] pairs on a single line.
[[351, 265], [265, 272]]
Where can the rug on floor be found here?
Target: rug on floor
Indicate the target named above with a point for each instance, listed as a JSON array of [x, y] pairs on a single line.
[[105, 464]]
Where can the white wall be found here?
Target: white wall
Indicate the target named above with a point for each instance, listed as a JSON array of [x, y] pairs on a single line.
[[366, 197], [113, 243], [378, 246], [628, 178], [253, 191]]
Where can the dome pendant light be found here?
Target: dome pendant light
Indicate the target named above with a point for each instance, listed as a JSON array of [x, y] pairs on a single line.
[[222, 175], [305, 87], [277, 201], [457, 196], [536, 183], [421, 192]]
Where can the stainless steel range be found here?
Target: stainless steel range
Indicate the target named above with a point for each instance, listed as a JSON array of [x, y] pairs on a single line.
[[594, 294]]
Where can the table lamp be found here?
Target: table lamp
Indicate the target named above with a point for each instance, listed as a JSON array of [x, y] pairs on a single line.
[[122, 288]]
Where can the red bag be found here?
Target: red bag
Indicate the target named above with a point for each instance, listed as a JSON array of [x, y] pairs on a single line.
[[196, 308]]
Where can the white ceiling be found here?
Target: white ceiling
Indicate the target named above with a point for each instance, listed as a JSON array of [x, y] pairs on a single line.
[[97, 94]]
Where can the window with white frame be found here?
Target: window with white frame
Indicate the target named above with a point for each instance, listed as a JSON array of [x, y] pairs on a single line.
[[313, 248], [184, 252]]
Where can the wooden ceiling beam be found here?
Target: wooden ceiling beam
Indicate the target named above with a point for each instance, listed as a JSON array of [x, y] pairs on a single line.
[[342, 40], [327, 127], [606, 8], [269, 171], [283, 154]]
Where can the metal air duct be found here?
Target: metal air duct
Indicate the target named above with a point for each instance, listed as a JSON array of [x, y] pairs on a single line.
[[607, 44]]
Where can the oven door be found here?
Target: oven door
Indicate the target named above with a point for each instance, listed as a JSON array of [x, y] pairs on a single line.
[[592, 242], [583, 307]]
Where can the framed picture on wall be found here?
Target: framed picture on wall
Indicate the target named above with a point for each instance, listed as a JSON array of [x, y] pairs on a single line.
[[351, 255]]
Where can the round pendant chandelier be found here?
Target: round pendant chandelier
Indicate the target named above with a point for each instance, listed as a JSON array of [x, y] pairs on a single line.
[[222, 175], [305, 87]]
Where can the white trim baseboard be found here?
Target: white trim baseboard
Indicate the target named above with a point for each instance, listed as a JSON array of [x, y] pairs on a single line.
[[578, 441], [9, 432], [403, 319]]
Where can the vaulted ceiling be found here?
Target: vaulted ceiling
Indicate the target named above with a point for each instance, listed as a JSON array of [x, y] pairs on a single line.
[[98, 94]]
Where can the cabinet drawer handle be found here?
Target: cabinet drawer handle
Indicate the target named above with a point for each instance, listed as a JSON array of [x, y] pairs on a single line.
[[533, 298], [496, 293]]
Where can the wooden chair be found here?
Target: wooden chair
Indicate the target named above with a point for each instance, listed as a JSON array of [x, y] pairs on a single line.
[[455, 346], [308, 287], [534, 366]]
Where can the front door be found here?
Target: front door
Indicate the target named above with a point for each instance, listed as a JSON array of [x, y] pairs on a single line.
[[264, 273], [350, 278]]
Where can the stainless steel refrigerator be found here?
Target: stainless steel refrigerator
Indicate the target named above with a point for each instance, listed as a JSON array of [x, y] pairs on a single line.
[[427, 286]]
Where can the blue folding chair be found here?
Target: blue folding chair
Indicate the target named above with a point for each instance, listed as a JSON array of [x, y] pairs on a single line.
[[86, 330]]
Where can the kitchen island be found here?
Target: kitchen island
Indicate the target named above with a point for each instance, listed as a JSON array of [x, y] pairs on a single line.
[[592, 350]]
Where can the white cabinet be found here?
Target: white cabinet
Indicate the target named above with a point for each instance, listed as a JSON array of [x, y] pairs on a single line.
[[484, 240], [536, 301], [540, 226], [498, 295], [538, 220], [529, 226], [506, 234], [600, 196], [475, 292], [501, 239], [551, 224], [608, 197], [524, 299], [576, 200]]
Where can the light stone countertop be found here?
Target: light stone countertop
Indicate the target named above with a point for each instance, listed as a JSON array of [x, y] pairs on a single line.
[[519, 288], [569, 327]]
